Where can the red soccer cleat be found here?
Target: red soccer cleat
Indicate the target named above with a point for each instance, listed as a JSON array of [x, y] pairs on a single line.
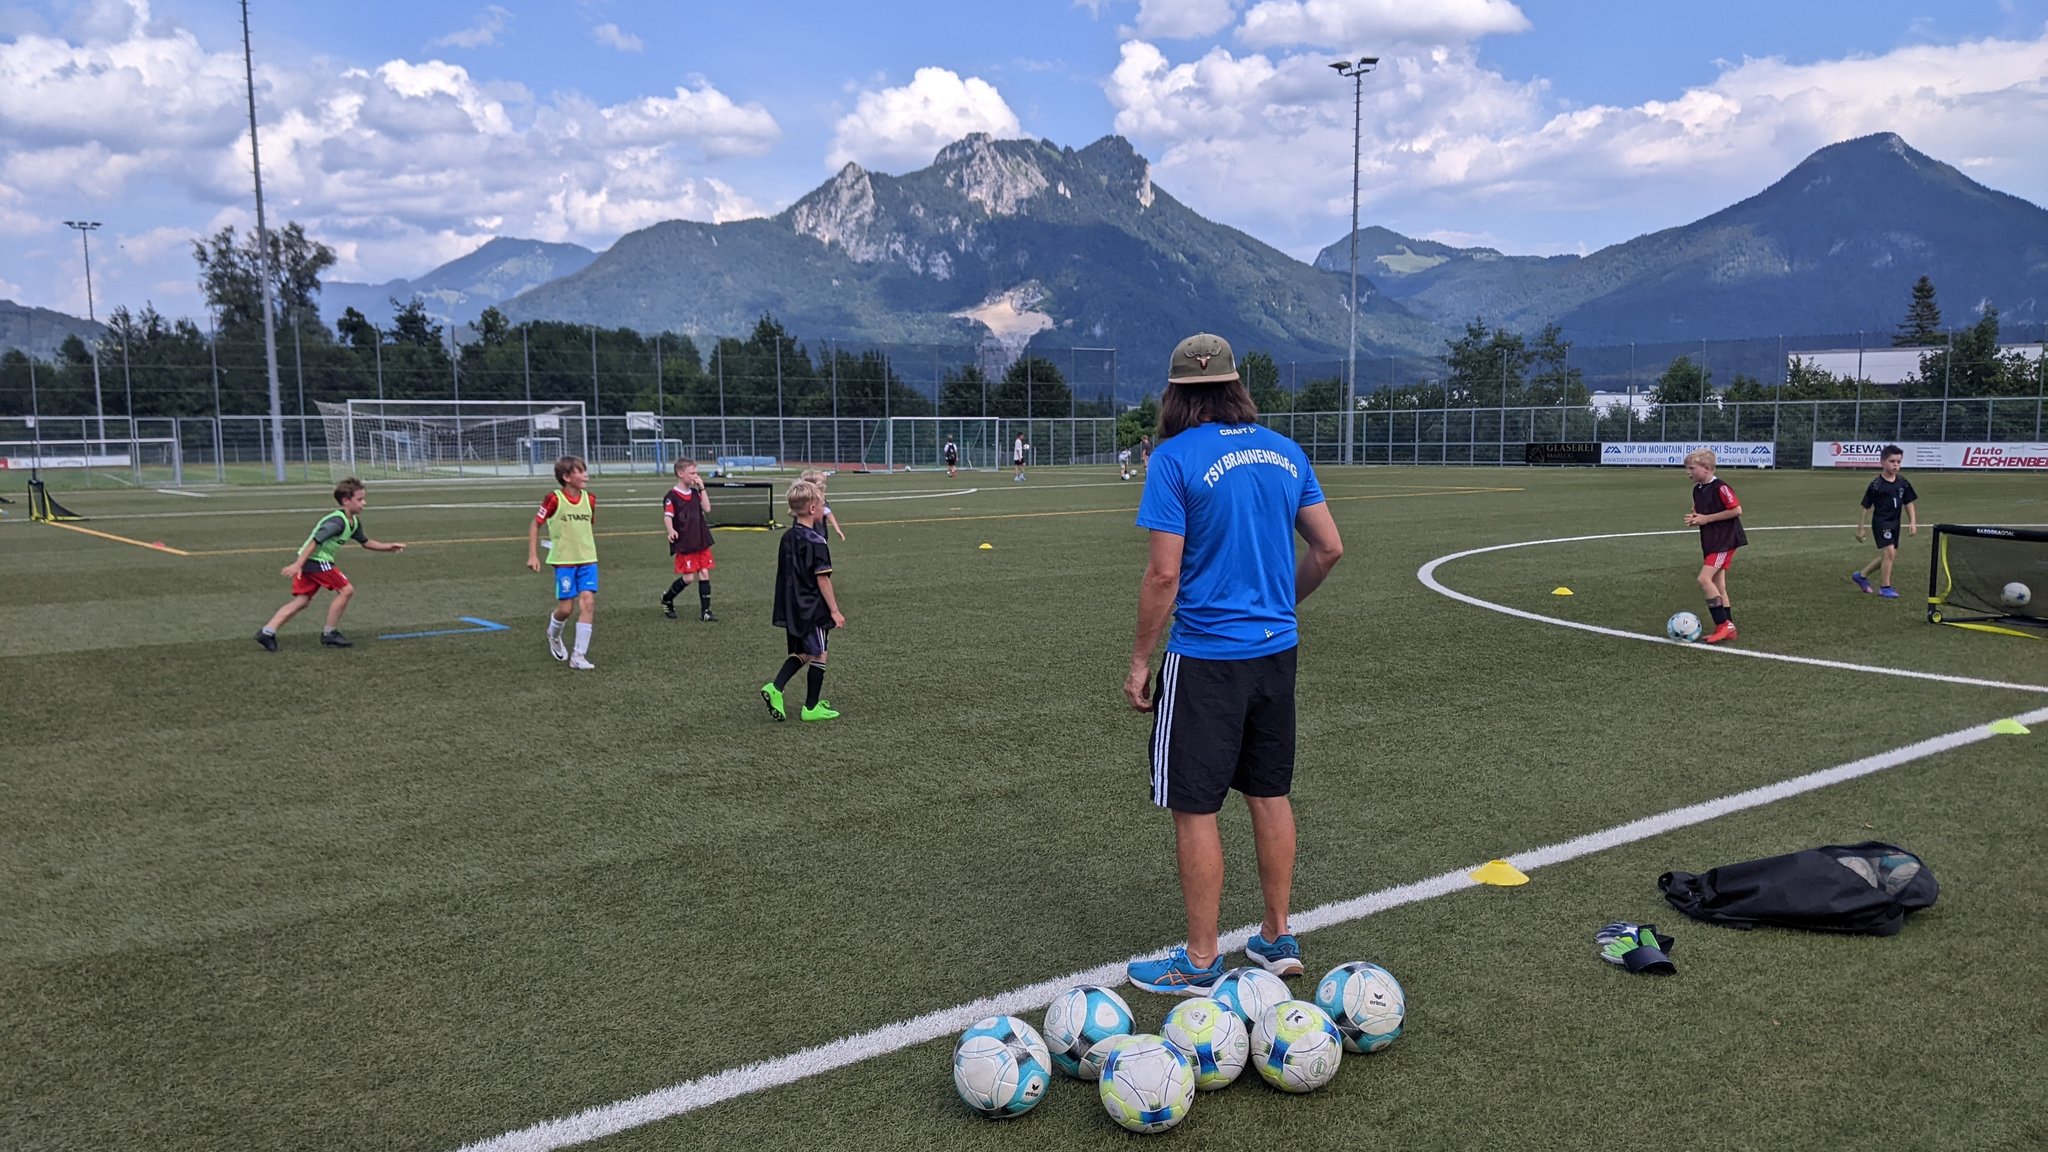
[[1725, 632]]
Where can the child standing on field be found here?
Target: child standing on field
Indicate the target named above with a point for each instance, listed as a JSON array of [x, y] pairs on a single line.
[[816, 477], [313, 568], [684, 513], [1889, 497], [1718, 515], [806, 607], [570, 514]]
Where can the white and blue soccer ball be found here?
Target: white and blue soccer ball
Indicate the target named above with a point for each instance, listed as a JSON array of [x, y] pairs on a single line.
[[1214, 1040], [1147, 1085], [1296, 1046], [1249, 991], [2017, 595], [1683, 627], [1077, 1023], [1366, 1004], [1001, 1067]]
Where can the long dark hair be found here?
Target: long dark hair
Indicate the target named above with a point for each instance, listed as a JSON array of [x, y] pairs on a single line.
[[1187, 406]]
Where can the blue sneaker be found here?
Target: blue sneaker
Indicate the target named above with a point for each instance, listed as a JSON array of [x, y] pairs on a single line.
[[1175, 975], [1862, 581], [1281, 957], [1888, 592]]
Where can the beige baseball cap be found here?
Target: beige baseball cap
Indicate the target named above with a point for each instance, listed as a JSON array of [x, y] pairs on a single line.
[[1202, 359]]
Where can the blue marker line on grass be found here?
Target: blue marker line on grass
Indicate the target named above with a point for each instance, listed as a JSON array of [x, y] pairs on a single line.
[[481, 626]]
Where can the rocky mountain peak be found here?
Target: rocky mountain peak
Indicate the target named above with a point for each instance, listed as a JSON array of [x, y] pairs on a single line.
[[841, 211], [1001, 180]]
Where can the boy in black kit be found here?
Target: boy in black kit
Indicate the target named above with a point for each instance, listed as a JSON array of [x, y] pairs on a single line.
[[1718, 515], [805, 605], [1889, 497], [683, 514]]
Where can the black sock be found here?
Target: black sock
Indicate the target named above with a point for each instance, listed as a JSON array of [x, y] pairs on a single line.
[[788, 673], [704, 592], [814, 685], [1720, 614], [674, 590]]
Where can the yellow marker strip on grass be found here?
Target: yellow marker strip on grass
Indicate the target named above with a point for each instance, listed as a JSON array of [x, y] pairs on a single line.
[[118, 539]]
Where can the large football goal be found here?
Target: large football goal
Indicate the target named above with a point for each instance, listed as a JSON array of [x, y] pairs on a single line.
[[447, 438], [918, 443]]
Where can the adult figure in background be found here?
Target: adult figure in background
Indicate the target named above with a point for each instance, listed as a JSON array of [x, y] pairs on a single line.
[[1223, 510]]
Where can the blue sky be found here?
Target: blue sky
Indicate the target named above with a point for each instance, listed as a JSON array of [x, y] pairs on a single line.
[[404, 134]]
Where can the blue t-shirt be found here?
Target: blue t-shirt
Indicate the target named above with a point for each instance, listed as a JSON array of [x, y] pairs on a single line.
[[1232, 492]]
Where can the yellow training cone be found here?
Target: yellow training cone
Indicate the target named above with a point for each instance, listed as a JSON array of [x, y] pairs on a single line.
[[2010, 728], [987, 547], [1499, 873], [1560, 590]]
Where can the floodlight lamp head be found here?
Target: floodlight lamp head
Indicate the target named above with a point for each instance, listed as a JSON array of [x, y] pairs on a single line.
[[1341, 65], [1368, 61]]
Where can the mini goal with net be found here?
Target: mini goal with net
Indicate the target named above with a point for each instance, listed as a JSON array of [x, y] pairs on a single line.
[[1990, 579]]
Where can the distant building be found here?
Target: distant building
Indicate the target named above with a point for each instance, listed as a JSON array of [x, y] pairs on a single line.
[[1637, 401], [1885, 365]]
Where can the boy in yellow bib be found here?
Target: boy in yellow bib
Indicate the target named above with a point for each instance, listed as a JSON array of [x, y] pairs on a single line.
[[570, 514]]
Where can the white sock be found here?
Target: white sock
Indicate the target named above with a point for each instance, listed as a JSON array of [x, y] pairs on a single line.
[[554, 626], [582, 639]]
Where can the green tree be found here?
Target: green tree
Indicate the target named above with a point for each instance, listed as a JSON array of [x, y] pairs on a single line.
[[1683, 382], [1031, 387], [231, 274], [1262, 379], [355, 329], [1486, 369], [1922, 325], [411, 324], [963, 391], [1321, 394], [1553, 380]]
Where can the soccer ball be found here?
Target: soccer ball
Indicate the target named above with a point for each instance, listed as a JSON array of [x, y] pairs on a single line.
[[1078, 1022], [1296, 1046], [1000, 1067], [1366, 1004], [1250, 991], [1683, 627], [2017, 595], [1147, 1085], [1213, 1039]]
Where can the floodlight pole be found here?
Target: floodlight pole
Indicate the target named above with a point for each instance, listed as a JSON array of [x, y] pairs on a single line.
[[85, 229], [1354, 71], [268, 274]]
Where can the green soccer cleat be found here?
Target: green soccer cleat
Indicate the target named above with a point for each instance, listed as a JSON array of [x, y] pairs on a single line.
[[822, 712], [773, 696]]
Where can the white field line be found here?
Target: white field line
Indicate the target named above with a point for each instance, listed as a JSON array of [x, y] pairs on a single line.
[[692, 1095], [182, 492], [483, 505], [1427, 574]]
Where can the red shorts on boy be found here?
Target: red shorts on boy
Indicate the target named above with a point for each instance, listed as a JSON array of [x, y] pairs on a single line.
[[689, 562], [309, 581], [1720, 561]]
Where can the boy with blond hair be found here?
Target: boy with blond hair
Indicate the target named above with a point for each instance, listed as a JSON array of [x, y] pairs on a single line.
[[570, 512], [812, 475], [685, 515], [806, 606], [1718, 515]]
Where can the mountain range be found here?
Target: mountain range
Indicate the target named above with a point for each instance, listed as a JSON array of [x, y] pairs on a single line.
[[458, 292], [40, 332]]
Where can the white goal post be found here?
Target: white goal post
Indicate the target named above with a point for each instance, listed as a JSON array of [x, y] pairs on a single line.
[[917, 443], [448, 438]]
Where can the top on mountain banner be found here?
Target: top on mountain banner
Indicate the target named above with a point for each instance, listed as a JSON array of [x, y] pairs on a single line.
[[1727, 454]]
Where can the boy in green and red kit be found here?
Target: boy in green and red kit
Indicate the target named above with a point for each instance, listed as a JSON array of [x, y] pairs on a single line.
[[684, 514], [314, 568], [570, 513]]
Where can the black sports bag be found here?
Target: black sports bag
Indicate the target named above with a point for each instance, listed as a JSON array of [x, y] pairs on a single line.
[[1861, 888]]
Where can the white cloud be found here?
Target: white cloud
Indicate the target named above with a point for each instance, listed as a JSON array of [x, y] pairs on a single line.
[[611, 36], [1359, 25], [901, 128], [1264, 141], [484, 33], [1184, 18]]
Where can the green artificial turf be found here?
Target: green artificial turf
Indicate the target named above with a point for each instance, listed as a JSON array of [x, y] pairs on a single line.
[[424, 892]]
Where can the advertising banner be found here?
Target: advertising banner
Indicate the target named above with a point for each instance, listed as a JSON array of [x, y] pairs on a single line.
[[1561, 452], [1672, 454], [1977, 455]]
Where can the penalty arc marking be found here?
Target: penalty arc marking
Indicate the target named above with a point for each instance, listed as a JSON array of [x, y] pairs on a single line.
[[1427, 574]]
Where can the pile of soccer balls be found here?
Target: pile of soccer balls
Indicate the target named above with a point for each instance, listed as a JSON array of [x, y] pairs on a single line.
[[1147, 1082]]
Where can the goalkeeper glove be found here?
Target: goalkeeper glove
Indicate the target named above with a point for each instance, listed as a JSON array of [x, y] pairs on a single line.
[[1636, 947]]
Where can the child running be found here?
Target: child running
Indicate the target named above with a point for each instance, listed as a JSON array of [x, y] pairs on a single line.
[[313, 568]]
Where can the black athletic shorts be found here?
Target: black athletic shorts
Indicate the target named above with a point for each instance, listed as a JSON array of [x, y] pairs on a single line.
[[808, 643], [1885, 532], [1219, 725]]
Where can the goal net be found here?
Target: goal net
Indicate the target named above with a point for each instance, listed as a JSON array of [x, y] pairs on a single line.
[[134, 461], [1987, 578], [388, 439], [742, 503], [918, 443]]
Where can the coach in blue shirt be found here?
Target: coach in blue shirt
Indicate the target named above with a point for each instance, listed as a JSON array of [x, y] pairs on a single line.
[[1223, 500]]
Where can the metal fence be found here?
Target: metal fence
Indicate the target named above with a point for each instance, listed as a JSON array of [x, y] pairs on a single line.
[[237, 449]]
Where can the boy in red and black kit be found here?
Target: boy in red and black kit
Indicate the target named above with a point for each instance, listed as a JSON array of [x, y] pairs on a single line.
[[1718, 515], [685, 513]]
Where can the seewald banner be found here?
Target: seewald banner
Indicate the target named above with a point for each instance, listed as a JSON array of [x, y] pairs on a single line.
[[1978, 455], [1672, 455]]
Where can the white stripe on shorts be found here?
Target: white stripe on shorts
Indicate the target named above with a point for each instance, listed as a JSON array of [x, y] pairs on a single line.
[[1162, 739]]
